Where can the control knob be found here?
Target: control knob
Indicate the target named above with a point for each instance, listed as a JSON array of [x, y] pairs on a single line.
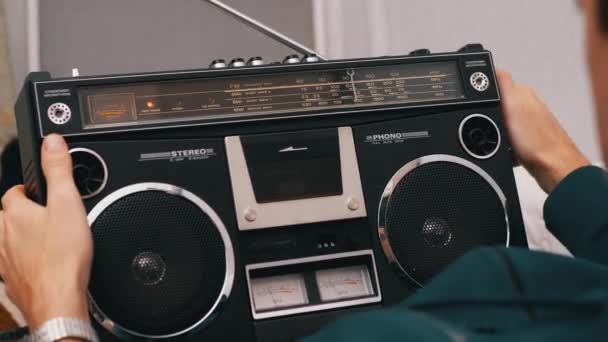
[[471, 48], [291, 59], [420, 52], [237, 63], [312, 58], [218, 64], [255, 61]]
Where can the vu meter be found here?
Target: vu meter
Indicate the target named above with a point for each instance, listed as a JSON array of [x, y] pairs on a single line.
[[282, 291], [344, 283]]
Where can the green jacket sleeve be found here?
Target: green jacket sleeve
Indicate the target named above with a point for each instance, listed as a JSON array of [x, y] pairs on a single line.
[[577, 213]]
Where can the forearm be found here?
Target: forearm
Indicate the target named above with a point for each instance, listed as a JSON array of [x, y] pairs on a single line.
[[577, 213]]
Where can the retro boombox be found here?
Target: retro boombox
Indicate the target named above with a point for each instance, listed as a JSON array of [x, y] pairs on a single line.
[[257, 202]]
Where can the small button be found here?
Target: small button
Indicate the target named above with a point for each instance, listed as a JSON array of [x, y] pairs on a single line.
[[250, 215], [352, 204]]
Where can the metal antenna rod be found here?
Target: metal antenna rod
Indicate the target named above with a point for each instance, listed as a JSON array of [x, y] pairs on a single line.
[[258, 26]]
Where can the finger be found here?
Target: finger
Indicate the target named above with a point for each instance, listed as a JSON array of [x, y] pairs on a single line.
[[2, 246], [505, 80], [15, 197], [9, 293], [2, 235], [57, 168]]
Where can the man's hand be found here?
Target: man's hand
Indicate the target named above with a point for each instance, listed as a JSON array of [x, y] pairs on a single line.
[[46, 252], [540, 143]]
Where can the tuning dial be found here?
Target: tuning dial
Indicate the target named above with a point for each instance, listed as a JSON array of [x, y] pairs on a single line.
[[90, 172], [291, 59], [218, 64], [312, 58], [237, 63], [255, 61]]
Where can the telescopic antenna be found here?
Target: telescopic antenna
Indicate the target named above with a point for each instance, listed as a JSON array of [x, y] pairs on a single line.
[[260, 27]]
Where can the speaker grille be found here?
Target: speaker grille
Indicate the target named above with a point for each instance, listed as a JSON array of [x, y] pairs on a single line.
[[439, 211], [159, 263]]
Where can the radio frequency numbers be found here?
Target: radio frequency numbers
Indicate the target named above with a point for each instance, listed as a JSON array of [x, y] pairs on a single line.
[[348, 88]]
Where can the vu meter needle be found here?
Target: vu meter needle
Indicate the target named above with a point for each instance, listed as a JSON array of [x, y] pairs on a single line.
[[260, 27]]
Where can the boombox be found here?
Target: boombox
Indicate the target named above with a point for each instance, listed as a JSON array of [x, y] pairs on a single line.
[[258, 202]]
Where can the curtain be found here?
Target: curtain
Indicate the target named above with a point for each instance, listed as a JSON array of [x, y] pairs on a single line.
[[9, 314], [7, 86]]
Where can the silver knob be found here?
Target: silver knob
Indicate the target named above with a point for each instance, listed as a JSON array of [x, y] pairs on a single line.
[[218, 64], [312, 58], [59, 113], [237, 63], [480, 81], [255, 61], [291, 59]]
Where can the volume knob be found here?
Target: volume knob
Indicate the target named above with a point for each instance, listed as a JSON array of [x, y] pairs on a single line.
[[89, 171], [218, 64], [237, 63], [291, 59], [255, 61]]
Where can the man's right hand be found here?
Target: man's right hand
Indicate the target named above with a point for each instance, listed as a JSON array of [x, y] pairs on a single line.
[[540, 143], [46, 252]]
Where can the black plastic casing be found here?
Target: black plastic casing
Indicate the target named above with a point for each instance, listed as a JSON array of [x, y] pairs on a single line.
[[121, 149]]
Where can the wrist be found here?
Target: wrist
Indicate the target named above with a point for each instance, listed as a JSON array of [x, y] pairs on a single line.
[[551, 169], [73, 304]]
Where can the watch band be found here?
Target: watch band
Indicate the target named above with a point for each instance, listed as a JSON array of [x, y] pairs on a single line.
[[60, 328]]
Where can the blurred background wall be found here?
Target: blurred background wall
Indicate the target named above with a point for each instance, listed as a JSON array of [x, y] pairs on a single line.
[[119, 36], [540, 42]]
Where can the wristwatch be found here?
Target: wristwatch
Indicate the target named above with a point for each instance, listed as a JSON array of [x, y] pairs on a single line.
[[60, 328]]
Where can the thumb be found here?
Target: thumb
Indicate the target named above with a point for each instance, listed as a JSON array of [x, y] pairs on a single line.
[[57, 167]]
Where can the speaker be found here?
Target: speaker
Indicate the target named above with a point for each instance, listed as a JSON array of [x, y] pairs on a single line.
[[437, 188], [164, 261], [436, 208]]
